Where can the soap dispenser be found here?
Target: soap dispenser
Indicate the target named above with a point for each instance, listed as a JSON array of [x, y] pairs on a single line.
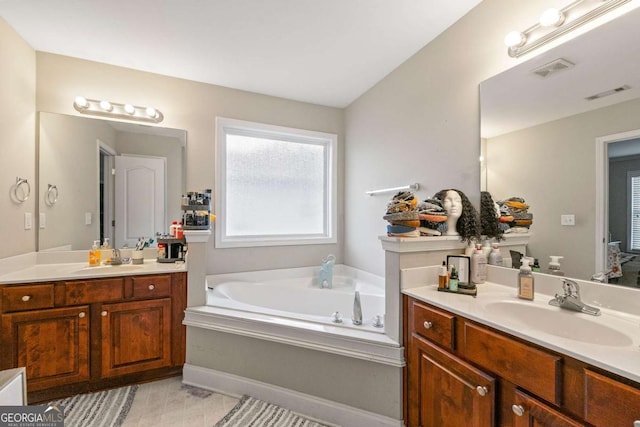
[[94, 254], [525, 281], [554, 266]]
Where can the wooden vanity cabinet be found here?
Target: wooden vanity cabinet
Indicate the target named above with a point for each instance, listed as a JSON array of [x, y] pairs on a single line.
[[460, 372], [84, 335]]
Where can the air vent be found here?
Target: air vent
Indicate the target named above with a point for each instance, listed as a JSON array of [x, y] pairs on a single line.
[[608, 92], [553, 67]]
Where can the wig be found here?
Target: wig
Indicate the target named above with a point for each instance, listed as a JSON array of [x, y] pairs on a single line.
[[489, 217], [468, 225]]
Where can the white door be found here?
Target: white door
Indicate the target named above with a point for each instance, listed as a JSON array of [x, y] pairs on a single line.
[[140, 201]]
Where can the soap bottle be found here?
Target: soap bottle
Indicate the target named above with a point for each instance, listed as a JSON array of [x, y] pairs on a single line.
[[536, 265], [495, 257], [525, 281], [105, 250], [478, 266], [554, 265], [453, 281], [443, 276], [94, 254]]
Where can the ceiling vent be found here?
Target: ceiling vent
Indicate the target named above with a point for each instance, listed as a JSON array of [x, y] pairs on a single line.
[[608, 92], [553, 67]]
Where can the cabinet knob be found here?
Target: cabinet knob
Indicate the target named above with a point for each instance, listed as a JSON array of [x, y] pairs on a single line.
[[427, 324], [81, 314], [26, 298], [482, 390], [518, 410], [151, 287], [104, 313], [636, 423]]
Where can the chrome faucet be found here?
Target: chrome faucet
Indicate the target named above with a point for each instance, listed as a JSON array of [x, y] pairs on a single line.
[[325, 277], [357, 310], [571, 300], [116, 259]]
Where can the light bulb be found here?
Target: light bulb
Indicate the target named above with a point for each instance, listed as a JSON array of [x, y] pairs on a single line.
[[106, 105], [551, 18], [151, 112], [515, 39], [81, 102], [129, 109]]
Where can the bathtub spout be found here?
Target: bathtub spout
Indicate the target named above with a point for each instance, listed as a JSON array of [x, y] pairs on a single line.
[[357, 310]]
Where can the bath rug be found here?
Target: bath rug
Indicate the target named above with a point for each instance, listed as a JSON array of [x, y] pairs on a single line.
[[251, 412], [107, 408]]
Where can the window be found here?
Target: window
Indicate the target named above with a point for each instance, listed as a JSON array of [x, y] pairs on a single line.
[[634, 210], [274, 185]]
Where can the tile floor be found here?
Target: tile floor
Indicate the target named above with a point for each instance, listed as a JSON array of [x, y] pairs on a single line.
[[169, 403]]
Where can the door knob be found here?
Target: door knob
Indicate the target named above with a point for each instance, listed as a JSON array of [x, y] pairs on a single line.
[[104, 313], [81, 314], [428, 325], [518, 410], [151, 287], [482, 390]]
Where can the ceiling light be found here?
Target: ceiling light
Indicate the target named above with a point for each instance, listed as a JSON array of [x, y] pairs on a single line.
[[554, 23], [551, 18], [116, 110]]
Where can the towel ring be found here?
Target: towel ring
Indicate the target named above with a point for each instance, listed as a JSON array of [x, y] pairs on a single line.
[[19, 183], [51, 196]]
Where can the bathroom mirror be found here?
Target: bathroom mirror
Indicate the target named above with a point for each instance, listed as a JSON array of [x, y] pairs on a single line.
[[548, 128], [99, 178]]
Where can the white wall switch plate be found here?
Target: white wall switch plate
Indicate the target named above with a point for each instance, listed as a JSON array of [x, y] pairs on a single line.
[[28, 221], [43, 220], [87, 218], [568, 219]]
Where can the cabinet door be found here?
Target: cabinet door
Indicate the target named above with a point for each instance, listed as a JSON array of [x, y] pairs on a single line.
[[445, 391], [610, 403], [136, 336], [53, 345], [531, 412]]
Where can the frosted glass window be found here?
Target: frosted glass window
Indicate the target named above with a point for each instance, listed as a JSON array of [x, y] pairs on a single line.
[[276, 185]]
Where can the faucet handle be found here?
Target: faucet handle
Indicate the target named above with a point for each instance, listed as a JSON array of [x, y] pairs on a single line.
[[571, 288]]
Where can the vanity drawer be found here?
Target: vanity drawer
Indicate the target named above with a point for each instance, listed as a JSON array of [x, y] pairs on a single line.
[[609, 402], [433, 324], [27, 297], [91, 291], [534, 370], [151, 286]]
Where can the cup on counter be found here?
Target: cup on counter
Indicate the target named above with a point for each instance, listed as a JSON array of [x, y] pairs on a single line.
[[137, 257]]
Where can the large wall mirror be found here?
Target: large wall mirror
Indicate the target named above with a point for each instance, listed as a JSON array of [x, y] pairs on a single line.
[[100, 178], [561, 131]]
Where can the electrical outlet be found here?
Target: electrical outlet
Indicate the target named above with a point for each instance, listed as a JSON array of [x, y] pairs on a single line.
[[28, 221], [568, 219]]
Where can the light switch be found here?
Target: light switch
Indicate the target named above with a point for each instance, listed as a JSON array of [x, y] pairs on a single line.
[[43, 220], [568, 219], [28, 221], [87, 218]]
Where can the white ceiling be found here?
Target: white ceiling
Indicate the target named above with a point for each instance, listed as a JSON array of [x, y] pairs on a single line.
[[327, 52]]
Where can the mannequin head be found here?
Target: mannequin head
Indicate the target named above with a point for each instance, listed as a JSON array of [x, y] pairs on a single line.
[[452, 204], [462, 217]]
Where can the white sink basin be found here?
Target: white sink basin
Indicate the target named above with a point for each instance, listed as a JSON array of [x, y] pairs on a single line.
[[561, 323]]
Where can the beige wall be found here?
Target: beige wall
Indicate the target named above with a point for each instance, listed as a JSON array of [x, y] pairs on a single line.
[[565, 185], [17, 139]]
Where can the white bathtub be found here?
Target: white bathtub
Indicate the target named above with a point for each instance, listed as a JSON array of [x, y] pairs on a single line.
[[288, 306]]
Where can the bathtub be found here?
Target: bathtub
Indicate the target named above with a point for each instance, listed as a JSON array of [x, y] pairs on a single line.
[[288, 306]]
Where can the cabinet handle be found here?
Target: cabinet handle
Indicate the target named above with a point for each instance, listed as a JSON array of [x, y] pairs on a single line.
[[81, 314], [518, 410], [26, 298], [151, 287], [427, 324], [482, 390], [103, 314]]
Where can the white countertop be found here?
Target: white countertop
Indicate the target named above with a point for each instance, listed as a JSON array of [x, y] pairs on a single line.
[[29, 272], [622, 357]]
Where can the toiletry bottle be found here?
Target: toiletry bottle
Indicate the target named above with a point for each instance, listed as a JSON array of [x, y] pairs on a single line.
[[443, 275], [94, 254], [525, 281], [173, 229], [453, 281], [536, 266], [495, 257], [554, 266], [105, 250], [478, 267]]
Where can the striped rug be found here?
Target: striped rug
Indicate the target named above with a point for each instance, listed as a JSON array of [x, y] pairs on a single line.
[[106, 408], [251, 412]]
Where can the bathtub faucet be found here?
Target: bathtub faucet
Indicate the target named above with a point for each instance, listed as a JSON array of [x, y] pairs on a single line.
[[357, 310], [325, 278]]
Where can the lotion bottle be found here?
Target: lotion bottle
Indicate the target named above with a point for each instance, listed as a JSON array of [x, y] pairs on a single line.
[[495, 257], [525, 281], [478, 267]]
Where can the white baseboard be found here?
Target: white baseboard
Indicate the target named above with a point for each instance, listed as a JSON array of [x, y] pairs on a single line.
[[318, 409]]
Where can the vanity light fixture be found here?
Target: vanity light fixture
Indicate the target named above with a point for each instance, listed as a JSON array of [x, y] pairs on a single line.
[[116, 110], [554, 23]]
